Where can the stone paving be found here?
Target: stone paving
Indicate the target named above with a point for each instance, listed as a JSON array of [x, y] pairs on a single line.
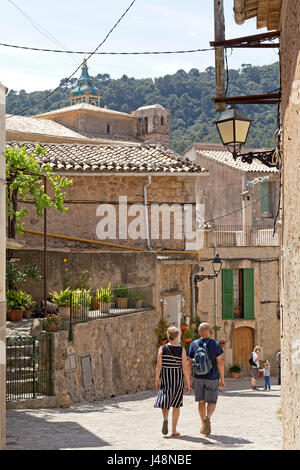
[[244, 420]]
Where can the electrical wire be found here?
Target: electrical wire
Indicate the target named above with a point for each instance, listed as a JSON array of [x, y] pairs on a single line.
[[44, 31], [188, 51], [75, 71]]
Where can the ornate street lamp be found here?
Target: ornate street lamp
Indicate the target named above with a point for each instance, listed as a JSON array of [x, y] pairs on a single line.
[[216, 264], [233, 127]]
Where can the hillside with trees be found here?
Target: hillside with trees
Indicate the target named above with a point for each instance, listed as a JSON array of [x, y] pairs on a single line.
[[186, 94]]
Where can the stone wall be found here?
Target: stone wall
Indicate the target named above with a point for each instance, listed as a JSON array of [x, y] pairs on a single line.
[[107, 357], [290, 122], [87, 193], [94, 123], [101, 268]]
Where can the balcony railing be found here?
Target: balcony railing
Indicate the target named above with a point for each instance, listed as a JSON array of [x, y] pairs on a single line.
[[242, 235]]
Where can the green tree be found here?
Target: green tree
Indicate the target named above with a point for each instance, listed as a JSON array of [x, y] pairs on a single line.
[[25, 176], [186, 94]]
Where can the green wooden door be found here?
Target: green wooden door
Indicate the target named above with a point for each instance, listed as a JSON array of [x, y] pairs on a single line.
[[227, 294], [248, 292]]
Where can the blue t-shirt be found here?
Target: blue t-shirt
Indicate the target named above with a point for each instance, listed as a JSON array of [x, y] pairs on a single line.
[[214, 350]]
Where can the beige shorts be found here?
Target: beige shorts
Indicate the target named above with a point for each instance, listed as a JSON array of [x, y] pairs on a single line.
[[254, 372]]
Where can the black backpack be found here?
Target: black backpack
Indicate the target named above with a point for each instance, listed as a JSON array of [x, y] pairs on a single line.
[[251, 362]]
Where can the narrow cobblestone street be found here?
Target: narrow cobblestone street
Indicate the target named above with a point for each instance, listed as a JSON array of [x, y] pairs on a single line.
[[244, 420]]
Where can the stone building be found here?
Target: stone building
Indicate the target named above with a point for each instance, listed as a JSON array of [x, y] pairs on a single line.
[[284, 15], [125, 225], [86, 117], [241, 203]]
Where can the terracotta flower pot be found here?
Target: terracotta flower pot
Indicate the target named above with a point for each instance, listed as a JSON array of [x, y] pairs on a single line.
[[122, 302], [138, 304], [183, 328], [16, 315], [64, 312], [27, 314], [104, 307]]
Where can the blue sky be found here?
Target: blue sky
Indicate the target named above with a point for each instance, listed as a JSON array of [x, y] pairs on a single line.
[[82, 25]]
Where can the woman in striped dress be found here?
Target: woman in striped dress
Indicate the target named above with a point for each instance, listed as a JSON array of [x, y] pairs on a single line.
[[171, 369]]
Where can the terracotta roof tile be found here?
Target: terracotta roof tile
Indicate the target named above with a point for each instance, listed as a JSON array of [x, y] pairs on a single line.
[[149, 158]]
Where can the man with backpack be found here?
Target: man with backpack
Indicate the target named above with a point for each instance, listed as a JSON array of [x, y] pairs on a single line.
[[205, 358]]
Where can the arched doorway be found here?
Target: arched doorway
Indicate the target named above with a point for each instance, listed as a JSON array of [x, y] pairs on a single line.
[[242, 346]]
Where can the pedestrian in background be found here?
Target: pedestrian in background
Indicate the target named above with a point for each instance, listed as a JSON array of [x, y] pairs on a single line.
[[266, 371], [254, 361], [278, 362], [171, 368]]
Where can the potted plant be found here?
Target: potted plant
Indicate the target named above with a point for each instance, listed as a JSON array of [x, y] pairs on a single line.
[[17, 302], [52, 323], [122, 295], [62, 300], [105, 299], [161, 331], [95, 301], [184, 326], [81, 301], [235, 371], [29, 304], [137, 299], [187, 338]]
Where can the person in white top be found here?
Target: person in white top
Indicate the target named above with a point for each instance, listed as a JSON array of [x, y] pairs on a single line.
[[255, 369]]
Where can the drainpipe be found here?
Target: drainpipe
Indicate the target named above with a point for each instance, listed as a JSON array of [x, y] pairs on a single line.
[[215, 287], [193, 295], [146, 213]]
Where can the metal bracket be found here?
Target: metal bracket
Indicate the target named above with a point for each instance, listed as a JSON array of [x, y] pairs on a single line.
[[201, 277], [269, 158]]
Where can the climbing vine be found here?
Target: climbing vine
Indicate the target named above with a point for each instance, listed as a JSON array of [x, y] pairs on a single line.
[[25, 176]]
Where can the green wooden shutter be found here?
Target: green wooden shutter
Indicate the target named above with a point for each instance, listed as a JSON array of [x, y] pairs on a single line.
[[265, 198], [248, 292], [227, 294]]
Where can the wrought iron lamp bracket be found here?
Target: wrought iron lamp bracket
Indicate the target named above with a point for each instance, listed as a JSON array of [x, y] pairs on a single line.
[[201, 277], [270, 158]]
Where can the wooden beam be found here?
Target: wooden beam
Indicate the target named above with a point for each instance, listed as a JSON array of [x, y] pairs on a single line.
[[238, 42], [219, 53], [267, 98]]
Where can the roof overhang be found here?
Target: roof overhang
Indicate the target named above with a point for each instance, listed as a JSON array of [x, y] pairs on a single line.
[[267, 12]]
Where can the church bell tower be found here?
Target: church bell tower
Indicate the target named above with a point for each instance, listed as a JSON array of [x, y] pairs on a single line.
[[84, 92]]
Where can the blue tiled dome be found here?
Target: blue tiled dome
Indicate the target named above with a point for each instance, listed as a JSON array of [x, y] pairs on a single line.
[[84, 84]]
